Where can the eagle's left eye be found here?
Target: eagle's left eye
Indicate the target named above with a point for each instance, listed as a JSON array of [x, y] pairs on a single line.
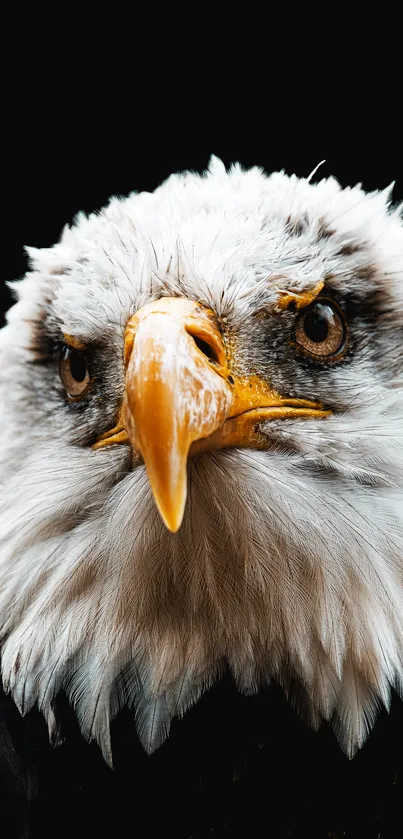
[[73, 370], [321, 331]]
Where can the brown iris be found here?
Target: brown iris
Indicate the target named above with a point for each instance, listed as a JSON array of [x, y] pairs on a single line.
[[74, 373], [320, 330]]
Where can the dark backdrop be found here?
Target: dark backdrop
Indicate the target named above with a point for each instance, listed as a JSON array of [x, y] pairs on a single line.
[[68, 148]]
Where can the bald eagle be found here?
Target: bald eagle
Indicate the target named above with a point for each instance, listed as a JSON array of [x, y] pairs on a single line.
[[201, 516]]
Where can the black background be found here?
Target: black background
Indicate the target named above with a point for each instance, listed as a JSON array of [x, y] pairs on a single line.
[[78, 128]]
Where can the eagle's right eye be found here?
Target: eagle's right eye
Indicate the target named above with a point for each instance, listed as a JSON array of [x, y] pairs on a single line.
[[321, 331], [74, 373]]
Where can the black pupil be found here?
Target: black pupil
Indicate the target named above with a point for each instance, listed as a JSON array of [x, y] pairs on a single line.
[[316, 323], [78, 365]]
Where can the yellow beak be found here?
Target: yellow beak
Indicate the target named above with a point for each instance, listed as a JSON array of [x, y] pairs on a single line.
[[181, 398], [173, 395]]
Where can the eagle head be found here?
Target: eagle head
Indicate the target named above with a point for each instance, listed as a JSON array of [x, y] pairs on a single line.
[[201, 460]]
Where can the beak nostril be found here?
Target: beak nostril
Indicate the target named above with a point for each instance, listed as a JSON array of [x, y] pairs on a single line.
[[206, 349]]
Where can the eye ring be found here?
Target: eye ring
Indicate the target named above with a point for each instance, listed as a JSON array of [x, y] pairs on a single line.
[[74, 372], [321, 330]]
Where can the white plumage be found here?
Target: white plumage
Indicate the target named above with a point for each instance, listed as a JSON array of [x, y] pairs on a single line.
[[289, 560]]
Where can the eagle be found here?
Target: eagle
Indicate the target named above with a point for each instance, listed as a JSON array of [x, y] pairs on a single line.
[[201, 471]]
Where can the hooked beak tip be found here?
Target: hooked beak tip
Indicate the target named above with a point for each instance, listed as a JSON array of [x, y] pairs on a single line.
[[171, 506]]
